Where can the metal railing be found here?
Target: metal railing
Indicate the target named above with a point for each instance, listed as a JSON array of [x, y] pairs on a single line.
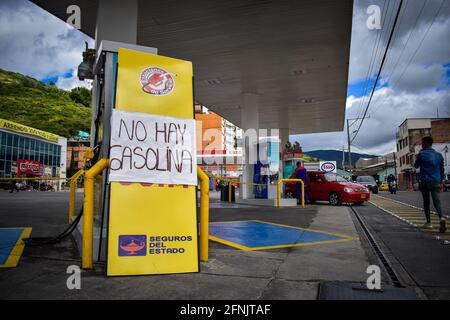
[[88, 213], [280, 182], [232, 182], [204, 214], [73, 188]]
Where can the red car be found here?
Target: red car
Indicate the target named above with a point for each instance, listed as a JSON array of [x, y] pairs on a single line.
[[330, 187]]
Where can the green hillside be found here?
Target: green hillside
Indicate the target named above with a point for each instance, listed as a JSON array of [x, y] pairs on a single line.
[[30, 102]]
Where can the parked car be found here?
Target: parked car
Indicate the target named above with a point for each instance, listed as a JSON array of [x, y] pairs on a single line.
[[368, 182], [330, 187]]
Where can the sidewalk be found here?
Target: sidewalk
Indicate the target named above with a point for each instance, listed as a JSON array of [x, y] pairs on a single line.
[[288, 273]]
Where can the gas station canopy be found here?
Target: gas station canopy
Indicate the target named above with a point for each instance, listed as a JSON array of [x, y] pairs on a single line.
[[292, 55]]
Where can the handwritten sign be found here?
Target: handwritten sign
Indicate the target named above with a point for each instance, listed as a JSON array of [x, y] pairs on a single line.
[[152, 149]]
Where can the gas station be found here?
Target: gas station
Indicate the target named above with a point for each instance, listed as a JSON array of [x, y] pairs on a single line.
[[143, 219], [273, 69], [259, 65]]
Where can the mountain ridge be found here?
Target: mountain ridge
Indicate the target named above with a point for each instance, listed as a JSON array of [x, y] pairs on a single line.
[[30, 102], [336, 155]]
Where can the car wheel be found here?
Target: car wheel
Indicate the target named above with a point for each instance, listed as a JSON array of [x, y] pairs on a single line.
[[334, 199], [359, 203], [289, 195], [375, 191]]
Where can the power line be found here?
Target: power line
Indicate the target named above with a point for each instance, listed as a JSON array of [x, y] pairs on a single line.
[[415, 52], [381, 68], [403, 49], [420, 44], [373, 58], [391, 16]]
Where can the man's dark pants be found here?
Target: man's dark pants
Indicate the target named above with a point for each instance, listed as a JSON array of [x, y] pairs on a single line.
[[433, 189]]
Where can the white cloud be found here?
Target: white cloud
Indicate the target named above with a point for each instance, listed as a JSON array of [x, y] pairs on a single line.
[[36, 43], [415, 94], [390, 109], [68, 83], [435, 48]]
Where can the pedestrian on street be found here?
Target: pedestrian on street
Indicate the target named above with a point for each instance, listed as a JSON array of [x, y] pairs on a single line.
[[431, 164], [13, 185]]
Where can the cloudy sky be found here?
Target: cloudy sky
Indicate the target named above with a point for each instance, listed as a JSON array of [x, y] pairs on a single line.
[[35, 43], [415, 81]]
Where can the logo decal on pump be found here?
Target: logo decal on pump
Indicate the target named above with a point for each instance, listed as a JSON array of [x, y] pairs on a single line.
[[132, 245], [157, 81]]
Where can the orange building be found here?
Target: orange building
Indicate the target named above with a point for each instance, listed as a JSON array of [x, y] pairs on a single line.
[[75, 155], [216, 137], [209, 129]]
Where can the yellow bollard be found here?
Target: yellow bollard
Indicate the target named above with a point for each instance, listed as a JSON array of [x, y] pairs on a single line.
[[73, 188], [279, 192], [204, 213], [290, 180], [88, 213]]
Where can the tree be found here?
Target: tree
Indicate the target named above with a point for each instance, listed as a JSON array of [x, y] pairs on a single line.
[[297, 146], [288, 147], [81, 95]]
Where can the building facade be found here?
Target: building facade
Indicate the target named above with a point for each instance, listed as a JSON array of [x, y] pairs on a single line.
[[76, 148], [379, 167], [409, 139], [217, 144], [29, 152]]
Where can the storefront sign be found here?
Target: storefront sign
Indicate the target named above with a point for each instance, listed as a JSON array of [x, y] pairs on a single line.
[[28, 167], [152, 149], [9, 125]]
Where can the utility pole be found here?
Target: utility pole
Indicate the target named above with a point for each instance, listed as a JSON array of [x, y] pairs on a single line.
[[395, 164], [350, 142]]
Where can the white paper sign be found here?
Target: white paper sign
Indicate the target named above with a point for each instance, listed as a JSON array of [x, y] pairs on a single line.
[[152, 149]]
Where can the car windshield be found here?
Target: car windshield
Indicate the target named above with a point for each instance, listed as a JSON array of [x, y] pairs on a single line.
[[365, 179], [333, 177]]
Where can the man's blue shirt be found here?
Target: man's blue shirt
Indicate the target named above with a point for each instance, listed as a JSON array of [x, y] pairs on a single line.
[[431, 164]]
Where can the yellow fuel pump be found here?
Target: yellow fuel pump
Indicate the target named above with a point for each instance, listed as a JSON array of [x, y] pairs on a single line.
[[150, 226]]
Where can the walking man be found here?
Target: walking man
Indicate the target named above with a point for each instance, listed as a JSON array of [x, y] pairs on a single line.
[[431, 164], [13, 185]]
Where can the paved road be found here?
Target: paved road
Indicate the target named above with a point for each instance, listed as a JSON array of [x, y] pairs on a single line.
[[419, 255], [290, 273], [415, 198]]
